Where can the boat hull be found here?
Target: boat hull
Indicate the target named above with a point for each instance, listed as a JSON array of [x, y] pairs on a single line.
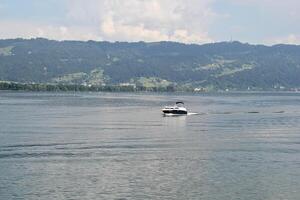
[[175, 112]]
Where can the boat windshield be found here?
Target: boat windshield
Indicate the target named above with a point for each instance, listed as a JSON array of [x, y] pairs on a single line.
[[179, 103]]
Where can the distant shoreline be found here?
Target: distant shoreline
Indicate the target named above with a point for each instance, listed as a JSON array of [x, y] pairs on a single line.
[[44, 87]]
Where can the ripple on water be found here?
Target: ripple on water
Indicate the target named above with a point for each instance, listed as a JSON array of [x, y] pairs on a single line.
[[118, 146]]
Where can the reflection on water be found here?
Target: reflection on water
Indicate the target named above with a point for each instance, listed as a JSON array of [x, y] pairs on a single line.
[[120, 146], [175, 121]]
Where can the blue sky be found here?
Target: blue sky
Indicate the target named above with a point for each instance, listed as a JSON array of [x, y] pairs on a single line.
[[190, 21]]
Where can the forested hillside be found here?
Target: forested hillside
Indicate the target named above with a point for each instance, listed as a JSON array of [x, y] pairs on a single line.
[[224, 65]]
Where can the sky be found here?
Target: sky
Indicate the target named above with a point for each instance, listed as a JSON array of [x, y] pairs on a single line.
[[189, 21]]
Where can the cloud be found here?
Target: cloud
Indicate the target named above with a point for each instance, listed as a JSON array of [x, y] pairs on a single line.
[[151, 20], [114, 31], [188, 21], [23, 29], [118, 20]]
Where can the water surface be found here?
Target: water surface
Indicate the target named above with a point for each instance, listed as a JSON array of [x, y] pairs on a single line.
[[119, 146]]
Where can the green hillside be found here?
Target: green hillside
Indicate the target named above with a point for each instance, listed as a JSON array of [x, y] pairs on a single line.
[[216, 66]]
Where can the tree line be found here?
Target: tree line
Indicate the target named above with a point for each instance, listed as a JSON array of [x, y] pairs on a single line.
[[62, 87]]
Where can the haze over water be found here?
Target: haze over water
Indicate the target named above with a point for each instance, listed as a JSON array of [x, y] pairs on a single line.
[[119, 146]]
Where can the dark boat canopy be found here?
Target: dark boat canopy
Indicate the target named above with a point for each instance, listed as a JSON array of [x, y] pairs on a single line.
[[179, 102]]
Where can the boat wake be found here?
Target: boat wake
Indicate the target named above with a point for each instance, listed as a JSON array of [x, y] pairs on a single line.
[[193, 113]]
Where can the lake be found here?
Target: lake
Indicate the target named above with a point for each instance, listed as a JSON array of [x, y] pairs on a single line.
[[119, 146]]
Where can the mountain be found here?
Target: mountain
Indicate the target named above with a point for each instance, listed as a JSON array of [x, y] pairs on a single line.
[[224, 65]]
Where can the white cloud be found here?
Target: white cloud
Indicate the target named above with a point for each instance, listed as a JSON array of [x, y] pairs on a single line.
[[23, 29], [151, 20], [189, 21], [119, 20], [114, 31]]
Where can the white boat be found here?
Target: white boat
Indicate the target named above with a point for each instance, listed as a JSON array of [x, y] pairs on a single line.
[[177, 109]]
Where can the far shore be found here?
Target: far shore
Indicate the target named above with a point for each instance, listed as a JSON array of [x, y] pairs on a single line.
[[41, 87]]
